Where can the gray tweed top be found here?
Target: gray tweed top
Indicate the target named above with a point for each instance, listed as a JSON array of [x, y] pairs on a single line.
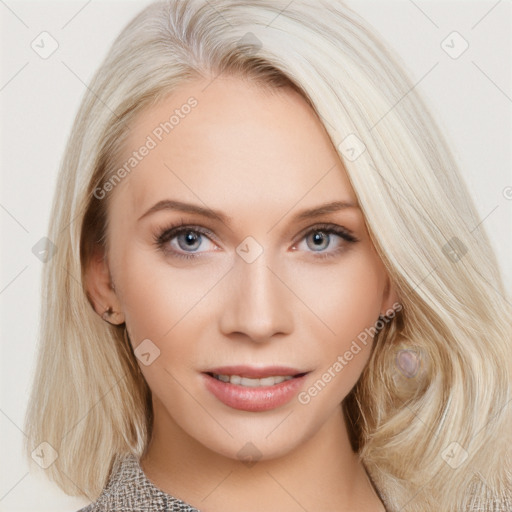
[[128, 489]]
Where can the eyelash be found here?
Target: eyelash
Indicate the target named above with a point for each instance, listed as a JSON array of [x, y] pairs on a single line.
[[174, 230]]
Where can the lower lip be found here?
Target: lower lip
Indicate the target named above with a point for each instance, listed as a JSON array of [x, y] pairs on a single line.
[[250, 399]]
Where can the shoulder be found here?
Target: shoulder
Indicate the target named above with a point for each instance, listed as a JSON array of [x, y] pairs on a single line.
[[129, 490]]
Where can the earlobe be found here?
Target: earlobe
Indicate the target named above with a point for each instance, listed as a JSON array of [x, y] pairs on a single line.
[[113, 317], [101, 291]]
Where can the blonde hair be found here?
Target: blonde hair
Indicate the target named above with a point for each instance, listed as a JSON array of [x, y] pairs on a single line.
[[438, 440]]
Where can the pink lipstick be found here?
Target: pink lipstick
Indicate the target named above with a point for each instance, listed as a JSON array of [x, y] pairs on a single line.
[[254, 389]]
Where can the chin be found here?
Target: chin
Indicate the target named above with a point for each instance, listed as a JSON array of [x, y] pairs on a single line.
[[254, 441]]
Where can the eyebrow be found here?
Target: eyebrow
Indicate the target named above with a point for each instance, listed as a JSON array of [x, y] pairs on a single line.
[[168, 204]]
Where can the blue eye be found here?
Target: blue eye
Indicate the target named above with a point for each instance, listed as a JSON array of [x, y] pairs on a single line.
[[319, 240], [184, 241], [191, 240], [322, 237], [180, 240]]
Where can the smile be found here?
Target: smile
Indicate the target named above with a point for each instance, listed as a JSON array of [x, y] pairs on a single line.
[[254, 389], [252, 383]]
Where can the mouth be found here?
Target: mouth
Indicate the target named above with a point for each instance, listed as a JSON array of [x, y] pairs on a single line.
[[254, 389], [248, 382]]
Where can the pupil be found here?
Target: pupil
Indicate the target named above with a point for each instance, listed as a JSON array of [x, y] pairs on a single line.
[[320, 239], [191, 240]]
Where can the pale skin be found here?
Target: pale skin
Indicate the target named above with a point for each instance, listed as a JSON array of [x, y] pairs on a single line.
[[259, 157]]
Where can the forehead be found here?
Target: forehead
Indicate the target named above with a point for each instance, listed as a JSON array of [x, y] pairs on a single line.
[[229, 143]]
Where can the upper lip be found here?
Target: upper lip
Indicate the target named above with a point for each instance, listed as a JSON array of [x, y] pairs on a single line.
[[256, 372]]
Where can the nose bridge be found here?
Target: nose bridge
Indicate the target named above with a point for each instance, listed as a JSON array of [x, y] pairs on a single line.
[[257, 304]]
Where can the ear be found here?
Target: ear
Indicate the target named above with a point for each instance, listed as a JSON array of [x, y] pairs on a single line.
[[100, 289], [390, 298]]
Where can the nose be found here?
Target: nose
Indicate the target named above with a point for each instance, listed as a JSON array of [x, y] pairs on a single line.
[[257, 304]]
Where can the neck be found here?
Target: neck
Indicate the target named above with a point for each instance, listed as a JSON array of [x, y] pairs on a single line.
[[322, 474]]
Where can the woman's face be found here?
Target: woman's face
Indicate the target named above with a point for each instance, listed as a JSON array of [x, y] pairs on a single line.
[[282, 281]]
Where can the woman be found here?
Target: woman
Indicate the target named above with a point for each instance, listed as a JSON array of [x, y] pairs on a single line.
[[269, 290]]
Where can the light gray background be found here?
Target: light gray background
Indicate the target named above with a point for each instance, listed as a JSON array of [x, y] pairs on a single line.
[[470, 96]]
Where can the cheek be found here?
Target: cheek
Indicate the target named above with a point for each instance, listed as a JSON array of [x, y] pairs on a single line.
[[156, 295], [347, 303], [162, 304], [346, 298]]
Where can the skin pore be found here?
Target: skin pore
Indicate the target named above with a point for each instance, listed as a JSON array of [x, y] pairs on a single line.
[[260, 157]]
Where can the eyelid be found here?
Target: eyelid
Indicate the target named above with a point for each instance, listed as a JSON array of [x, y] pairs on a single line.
[[165, 235], [174, 230], [328, 227]]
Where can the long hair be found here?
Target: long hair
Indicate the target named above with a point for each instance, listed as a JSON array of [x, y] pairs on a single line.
[[434, 439]]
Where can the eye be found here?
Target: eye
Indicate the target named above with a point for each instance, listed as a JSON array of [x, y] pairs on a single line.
[[326, 240], [189, 241], [184, 241]]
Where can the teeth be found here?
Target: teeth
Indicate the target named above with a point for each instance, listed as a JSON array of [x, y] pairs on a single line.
[[252, 383]]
